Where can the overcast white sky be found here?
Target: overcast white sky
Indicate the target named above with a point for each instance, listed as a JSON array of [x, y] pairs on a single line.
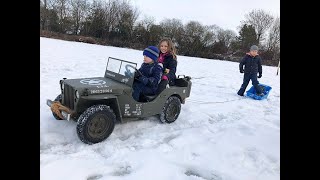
[[225, 13]]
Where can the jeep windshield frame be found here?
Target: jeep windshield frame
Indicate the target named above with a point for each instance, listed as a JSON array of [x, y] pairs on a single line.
[[120, 70]]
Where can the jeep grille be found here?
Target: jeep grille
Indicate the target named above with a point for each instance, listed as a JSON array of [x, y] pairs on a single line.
[[68, 96]]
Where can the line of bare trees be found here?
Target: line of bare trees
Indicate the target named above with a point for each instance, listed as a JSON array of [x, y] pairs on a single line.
[[115, 22]]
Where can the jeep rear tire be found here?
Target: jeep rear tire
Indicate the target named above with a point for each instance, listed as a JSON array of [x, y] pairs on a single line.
[[171, 110], [58, 98], [95, 124]]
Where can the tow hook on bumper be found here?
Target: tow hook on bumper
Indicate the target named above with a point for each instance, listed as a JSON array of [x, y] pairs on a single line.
[[61, 111]]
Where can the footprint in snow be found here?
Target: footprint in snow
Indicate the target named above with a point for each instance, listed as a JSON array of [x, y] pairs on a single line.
[[94, 177], [122, 171]]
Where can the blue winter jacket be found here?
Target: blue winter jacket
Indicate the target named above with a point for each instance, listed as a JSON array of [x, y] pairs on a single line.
[[151, 75], [251, 64]]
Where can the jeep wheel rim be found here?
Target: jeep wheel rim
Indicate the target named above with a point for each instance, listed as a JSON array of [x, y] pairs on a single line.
[[98, 126]]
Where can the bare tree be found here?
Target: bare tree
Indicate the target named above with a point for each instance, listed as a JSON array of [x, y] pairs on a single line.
[[78, 11], [193, 38], [146, 24], [229, 36], [260, 20], [142, 30], [156, 32], [94, 23], [209, 36], [111, 13], [43, 14], [63, 12], [127, 16], [172, 28], [103, 18], [226, 37], [274, 35], [273, 44]]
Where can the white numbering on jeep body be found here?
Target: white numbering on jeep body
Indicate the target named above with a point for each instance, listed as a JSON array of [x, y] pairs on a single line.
[[109, 74], [93, 82], [126, 110], [100, 91], [136, 112], [125, 80]]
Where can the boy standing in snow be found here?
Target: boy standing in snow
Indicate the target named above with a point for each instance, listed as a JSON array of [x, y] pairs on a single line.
[[148, 76], [252, 66]]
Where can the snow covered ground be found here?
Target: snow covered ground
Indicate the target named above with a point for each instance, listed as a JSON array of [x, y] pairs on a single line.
[[218, 135]]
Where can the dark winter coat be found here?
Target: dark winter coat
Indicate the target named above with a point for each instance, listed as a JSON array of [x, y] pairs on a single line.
[[151, 75], [171, 64], [251, 64]]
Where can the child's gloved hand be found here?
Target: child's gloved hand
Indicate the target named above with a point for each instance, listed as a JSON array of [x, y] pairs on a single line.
[[137, 74], [241, 70], [260, 75], [164, 77]]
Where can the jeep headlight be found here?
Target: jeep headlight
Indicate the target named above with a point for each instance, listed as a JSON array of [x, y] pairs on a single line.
[[77, 94], [62, 86]]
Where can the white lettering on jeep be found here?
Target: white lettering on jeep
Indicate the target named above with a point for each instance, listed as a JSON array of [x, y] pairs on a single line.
[[125, 80], [136, 112], [126, 110], [111, 75], [100, 91], [103, 86]]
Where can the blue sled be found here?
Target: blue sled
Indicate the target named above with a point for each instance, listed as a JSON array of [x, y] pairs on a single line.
[[252, 92]]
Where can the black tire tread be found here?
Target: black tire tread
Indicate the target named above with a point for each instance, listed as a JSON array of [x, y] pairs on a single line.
[[171, 99], [85, 116]]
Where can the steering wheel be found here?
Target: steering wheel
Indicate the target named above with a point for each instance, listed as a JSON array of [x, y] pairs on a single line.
[[128, 72], [127, 67]]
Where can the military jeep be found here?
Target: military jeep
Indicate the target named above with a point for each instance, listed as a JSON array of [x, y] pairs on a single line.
[[97, 103]]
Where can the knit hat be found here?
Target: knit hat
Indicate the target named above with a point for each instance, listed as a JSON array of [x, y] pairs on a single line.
[[152, 52], [254, 48]]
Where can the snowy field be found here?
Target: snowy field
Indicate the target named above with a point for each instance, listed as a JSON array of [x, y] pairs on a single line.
[[218, 135]]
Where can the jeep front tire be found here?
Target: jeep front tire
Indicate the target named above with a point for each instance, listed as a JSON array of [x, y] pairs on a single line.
[[95, 124]]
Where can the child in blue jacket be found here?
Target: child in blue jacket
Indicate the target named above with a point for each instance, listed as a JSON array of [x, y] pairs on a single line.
[[252, 67], [148, 76]]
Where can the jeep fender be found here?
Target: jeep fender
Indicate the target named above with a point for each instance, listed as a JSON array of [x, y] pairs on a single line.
[[107, 99]]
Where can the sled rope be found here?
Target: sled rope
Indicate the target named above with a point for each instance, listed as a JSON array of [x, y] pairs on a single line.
[[205, 102], [57, 107]]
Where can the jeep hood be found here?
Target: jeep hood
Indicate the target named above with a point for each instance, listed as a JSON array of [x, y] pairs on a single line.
[[96, 85]]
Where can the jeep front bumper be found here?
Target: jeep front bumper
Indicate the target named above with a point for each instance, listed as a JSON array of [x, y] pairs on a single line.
[[65, 112]]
